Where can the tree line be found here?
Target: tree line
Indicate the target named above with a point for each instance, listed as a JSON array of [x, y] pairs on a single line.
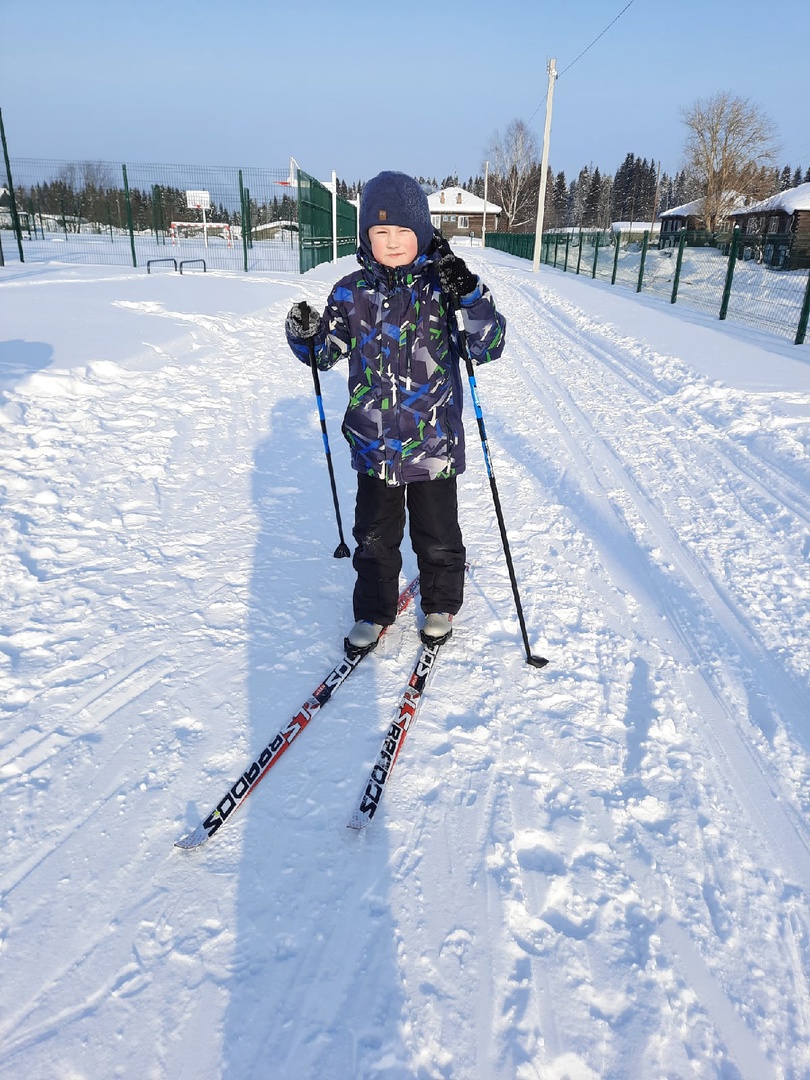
[[83, 198], [729, 152]]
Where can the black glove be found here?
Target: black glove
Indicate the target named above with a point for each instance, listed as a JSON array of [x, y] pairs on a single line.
[[303, 321], [456, 278]]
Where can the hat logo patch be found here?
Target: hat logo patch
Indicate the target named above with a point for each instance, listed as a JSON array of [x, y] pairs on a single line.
[[382, 215]]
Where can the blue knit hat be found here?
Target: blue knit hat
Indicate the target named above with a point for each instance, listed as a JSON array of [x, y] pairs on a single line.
[[394, 198]]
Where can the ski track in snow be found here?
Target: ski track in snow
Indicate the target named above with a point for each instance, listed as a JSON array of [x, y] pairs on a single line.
[[601, 869]]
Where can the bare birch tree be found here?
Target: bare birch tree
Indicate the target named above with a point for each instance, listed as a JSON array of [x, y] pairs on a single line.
[[514, 172], [728, 140]]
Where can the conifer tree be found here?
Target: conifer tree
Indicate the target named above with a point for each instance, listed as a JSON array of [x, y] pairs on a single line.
[[590, 215]]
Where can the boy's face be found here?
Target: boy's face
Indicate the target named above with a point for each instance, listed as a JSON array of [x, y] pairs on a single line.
[[392, 245]]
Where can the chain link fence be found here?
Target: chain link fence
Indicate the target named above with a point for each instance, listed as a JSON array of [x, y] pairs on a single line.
[[728, 280], [171, 216]]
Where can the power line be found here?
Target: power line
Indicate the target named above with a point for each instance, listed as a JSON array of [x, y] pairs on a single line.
[[574, 61], [597, 37]]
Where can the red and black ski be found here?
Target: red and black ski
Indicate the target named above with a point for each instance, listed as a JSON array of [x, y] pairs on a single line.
[[259, 767], [395, 736]]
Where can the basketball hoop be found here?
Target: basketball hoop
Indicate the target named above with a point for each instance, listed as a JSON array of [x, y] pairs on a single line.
[[200, 200]]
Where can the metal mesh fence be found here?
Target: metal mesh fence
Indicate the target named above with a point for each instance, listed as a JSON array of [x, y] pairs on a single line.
[[520, 244], [101, 212], [315, 208], [347, 215], [727, 281]]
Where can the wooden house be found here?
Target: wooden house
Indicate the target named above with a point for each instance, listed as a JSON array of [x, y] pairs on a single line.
[[776, 231], [690, 216], [456, 212]]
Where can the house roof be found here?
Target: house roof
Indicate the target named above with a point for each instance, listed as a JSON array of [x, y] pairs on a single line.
[[789, 202], [469, 204], [689, 209], [695, 208]]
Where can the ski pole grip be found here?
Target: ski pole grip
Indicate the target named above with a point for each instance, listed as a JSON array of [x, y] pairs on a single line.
[[306, 311]]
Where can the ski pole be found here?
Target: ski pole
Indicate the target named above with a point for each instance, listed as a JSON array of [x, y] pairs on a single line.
[[531, 658], [342, 550]]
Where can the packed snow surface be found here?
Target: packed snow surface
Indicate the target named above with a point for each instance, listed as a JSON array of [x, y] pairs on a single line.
[[600, 869]]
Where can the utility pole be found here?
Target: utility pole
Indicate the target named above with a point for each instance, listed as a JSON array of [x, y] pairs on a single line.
[[541, 200], [655, 201], [484, 218]]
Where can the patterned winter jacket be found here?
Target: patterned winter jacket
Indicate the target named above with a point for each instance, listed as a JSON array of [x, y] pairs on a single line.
[[403, 422]]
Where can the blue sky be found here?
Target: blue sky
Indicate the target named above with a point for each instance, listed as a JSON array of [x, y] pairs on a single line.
[[418, 87]]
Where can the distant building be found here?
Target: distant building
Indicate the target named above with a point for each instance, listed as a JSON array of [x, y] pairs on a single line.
[[5, 208], [690, 216], [457, 212], [776, 231]]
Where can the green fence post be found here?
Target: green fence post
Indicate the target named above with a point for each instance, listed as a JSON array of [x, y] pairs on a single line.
[[579, 255], [243, 216], [595, 254], [567, 249], [129, 216], [643, 259], [616, 258], [300, 208], [15, 217], [2, 260], [732, 260], [158, 222], [801, 333], [678, 263], [248, 219], [556, 248]]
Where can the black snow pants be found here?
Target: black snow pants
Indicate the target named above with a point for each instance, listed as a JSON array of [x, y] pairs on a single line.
[[379, 526]]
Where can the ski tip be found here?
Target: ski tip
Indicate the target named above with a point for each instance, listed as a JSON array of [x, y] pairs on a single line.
[[193, 839]]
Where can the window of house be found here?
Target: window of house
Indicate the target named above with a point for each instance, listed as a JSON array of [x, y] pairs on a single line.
[[463, 222]]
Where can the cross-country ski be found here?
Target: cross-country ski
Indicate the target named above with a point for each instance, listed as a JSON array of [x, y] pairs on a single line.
[[394, 740], [270, 754]]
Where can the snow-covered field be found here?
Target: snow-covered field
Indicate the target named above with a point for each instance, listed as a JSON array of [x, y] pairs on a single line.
[[279, 253], [597, 870]]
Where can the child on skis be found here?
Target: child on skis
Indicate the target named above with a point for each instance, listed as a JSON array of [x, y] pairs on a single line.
[[393, 320]]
